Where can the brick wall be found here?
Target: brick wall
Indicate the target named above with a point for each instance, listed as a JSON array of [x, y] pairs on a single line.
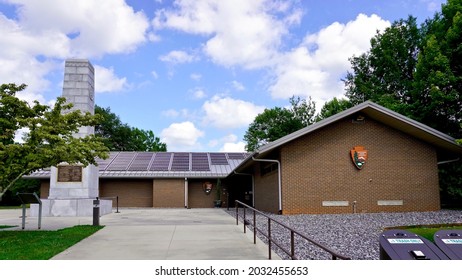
[[168, 193], [266, 190], [196, 195], [318, 167], [131, 192]]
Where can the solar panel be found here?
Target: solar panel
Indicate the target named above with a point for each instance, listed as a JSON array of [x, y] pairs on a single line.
[[218, 159], [141, 161], [180, 162], [121, 162], [236, 156], [161, 162], [200, 162], [103, 163]]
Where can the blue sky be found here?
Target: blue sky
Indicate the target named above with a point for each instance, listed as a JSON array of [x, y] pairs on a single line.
[[195, 72]]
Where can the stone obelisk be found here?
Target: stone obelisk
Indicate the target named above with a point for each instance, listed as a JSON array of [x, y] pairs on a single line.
[[74, 187]]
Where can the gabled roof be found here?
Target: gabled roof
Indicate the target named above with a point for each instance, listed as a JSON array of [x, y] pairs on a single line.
[[446, 145], [163, 165]]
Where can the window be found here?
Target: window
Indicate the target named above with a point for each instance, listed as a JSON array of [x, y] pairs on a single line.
[[266, 168]]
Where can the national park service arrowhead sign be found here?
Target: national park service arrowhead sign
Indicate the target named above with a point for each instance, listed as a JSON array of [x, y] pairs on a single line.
[[359, 156]]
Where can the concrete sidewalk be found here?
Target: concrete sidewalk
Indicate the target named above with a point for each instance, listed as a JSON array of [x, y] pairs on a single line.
[[155, 234]]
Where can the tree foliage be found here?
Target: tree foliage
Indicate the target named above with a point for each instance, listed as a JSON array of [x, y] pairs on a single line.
[[49, 139], [385, 74], [118, 136], [333, 107], [277, 122], [417, 71]]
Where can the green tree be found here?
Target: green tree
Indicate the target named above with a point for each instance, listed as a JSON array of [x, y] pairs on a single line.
[[333, 107], [418, 73], [303, 110], [49, 140], [385, 73], [278, 122], [118, 136]]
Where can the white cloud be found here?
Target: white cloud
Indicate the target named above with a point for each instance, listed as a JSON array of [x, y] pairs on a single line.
[[238, 86], [199, 93], [45, 32], [225, 112], [83, 28], [241, 32], [233, 147], [229, 143], [196, 77], [177, 57], [315, 67], [20, 133], [181, 136], [155, 75], [107, 81]]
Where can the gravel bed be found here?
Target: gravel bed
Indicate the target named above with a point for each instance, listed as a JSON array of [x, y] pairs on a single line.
[[352, 235]]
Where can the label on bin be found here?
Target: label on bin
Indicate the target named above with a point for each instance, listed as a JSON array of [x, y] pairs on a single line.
[[405, 241], [452, 241]]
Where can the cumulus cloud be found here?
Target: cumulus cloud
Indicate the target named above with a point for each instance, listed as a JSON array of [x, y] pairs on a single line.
[[83, 28], [181, 136], [226, 112], [233, 147], [241, 32], [107, 81], [47, 31], [315, 67], [229, 143]]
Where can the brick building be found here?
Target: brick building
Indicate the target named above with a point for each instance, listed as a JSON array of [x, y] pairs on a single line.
[[365, 159]]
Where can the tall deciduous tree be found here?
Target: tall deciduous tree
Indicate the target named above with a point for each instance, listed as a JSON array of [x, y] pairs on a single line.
[[385, 74], [333, 107], [277, 122], [418, 73], [49, 139], [119, 136]]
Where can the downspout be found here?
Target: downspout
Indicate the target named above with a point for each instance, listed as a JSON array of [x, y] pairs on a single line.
[[448, 161], [253, 185], [186, 201], [279, 179]]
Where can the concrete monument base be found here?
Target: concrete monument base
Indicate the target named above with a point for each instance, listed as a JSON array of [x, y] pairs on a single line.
[[77, 207]]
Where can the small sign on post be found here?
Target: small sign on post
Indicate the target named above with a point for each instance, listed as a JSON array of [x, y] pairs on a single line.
[[30, 198]]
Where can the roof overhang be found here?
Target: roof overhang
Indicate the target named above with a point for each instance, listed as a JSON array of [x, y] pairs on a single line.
[[446, 146]]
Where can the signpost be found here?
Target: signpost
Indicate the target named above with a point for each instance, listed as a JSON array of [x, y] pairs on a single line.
[[30, 198]]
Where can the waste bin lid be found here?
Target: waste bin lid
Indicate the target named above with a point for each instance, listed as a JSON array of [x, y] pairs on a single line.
[[450, 242], [404, 245]]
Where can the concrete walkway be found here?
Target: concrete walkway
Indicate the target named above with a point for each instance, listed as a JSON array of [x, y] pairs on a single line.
[[155, 234]]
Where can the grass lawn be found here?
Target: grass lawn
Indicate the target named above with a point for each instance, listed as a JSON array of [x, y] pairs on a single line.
[[428, 231], [5, 226], [41, 245]]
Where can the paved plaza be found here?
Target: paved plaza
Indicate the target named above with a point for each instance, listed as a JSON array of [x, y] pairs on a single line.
[[154, 234]]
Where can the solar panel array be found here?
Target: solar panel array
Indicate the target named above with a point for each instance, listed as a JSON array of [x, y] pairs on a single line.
[[141, 161], [237, 156], [161, 162], [200, 162], [168, 161], [180, 162], [122, 161], [218, 159]]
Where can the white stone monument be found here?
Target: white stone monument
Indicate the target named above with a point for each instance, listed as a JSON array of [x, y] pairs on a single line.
[[74, 187]]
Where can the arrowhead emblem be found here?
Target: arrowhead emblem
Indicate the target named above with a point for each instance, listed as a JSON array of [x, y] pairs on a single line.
[[359, 156]]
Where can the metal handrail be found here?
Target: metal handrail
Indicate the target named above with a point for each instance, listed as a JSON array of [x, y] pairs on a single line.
[[293, 232]]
